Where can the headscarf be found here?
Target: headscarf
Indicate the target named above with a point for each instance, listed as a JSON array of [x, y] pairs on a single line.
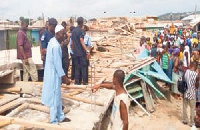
[[58, 28], [176, 51]]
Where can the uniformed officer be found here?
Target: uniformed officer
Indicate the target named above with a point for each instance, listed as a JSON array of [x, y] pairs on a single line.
[[47, 35]]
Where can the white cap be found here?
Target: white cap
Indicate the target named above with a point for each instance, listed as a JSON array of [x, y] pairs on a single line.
[[58, 28]]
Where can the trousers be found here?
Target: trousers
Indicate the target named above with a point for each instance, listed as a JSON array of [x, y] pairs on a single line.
[[80, 69], [29, 69], [192, 104]]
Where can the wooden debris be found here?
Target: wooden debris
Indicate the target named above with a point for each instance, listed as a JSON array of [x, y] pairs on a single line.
[[82, 100], [18, 109], [10, 90], [5, 123], [41, 125], [11, 105]]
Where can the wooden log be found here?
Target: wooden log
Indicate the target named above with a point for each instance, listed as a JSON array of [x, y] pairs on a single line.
[[8, 99], [82, 100], [34, 124], [148, 101], [17, 110], [5, 123], [39, 108], [74, 93], [13, 89], [11, 105], [34, 100], [74, 86]]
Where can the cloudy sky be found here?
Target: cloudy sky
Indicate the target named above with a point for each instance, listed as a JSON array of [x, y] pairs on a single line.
[[13, 9]]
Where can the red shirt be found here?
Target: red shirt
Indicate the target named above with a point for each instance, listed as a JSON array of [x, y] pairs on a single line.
[[23, 41]]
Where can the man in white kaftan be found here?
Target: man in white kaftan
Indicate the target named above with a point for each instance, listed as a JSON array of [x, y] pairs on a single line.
[[53, 73]]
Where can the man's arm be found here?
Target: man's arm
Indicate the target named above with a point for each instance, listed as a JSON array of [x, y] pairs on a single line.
[[83, 44], [107, 85], [197, 81], [186, 55], [124, 115]]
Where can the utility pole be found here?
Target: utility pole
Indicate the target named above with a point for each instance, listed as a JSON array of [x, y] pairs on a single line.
[[195, 11], [43, 19]]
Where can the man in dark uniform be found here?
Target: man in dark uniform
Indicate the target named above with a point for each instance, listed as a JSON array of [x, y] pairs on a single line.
[[80, 52], [47, 35], [65, 54]]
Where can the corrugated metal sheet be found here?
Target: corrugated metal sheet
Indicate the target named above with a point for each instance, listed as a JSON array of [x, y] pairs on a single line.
[[3, 35]]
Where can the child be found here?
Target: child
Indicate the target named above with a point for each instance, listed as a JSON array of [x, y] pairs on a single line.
[[119, 117], [165, 60]]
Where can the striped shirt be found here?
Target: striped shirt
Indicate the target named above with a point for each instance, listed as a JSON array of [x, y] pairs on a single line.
[[165, 61], [190, 78]]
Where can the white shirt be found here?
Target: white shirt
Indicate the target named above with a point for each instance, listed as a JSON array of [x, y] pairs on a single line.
[[184, 57], [116, 122]]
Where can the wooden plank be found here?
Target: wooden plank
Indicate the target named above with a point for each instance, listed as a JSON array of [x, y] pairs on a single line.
[[11, 105], [12, 89], [82, 100], [17, 110], [8, 99], [34, 124], [5, 123], [147, 99]]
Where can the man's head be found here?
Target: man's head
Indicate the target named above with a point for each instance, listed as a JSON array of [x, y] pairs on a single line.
[[52, 24], [142, 40], [59, 33], [85, 28], [47, 24], [71, 29], [118, 78], [193, 65], [24, 25], [64, 24], [80, 21]]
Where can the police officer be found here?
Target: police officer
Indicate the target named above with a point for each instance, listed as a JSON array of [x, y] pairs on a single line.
[[47, 35]]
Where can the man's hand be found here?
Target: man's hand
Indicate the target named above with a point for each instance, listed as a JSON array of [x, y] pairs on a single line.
[[67, 81], [88, 56], [95, 88], [26, 61]]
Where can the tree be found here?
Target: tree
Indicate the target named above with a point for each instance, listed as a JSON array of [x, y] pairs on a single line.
[[24, 19], [39, 18]]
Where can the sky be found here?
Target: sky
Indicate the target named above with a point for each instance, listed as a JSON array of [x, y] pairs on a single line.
[[13, 9]]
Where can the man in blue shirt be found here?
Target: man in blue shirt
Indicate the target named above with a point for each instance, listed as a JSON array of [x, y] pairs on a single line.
[[88, 43], [47, 35], [80, 52]]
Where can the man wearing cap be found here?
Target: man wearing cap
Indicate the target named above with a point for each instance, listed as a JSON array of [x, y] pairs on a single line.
[[81, 53], [24, 53], [47, 35], [53, 73]]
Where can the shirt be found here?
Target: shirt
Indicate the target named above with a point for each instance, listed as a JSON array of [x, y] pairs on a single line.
[[45, 38], [78, 33], [190, 78], [116, 122], [22, 40], [154, 52], [87, 40], [165, 61]]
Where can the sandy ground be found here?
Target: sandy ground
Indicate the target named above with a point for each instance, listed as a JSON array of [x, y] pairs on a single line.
[[168, 116]]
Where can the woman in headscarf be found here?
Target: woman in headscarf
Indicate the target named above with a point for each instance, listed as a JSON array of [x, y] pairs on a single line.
[[175, 73], [186, 58]]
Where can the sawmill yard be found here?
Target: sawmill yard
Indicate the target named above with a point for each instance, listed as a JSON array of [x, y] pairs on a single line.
[[152, 107]]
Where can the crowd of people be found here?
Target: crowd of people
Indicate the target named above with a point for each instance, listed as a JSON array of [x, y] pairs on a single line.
[[54, 42], [177, 52]]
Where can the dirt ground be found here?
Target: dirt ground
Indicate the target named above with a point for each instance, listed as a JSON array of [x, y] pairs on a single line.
[[168, 116]]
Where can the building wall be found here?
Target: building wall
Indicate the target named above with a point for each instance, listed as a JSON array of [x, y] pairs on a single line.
[[8, 38]]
